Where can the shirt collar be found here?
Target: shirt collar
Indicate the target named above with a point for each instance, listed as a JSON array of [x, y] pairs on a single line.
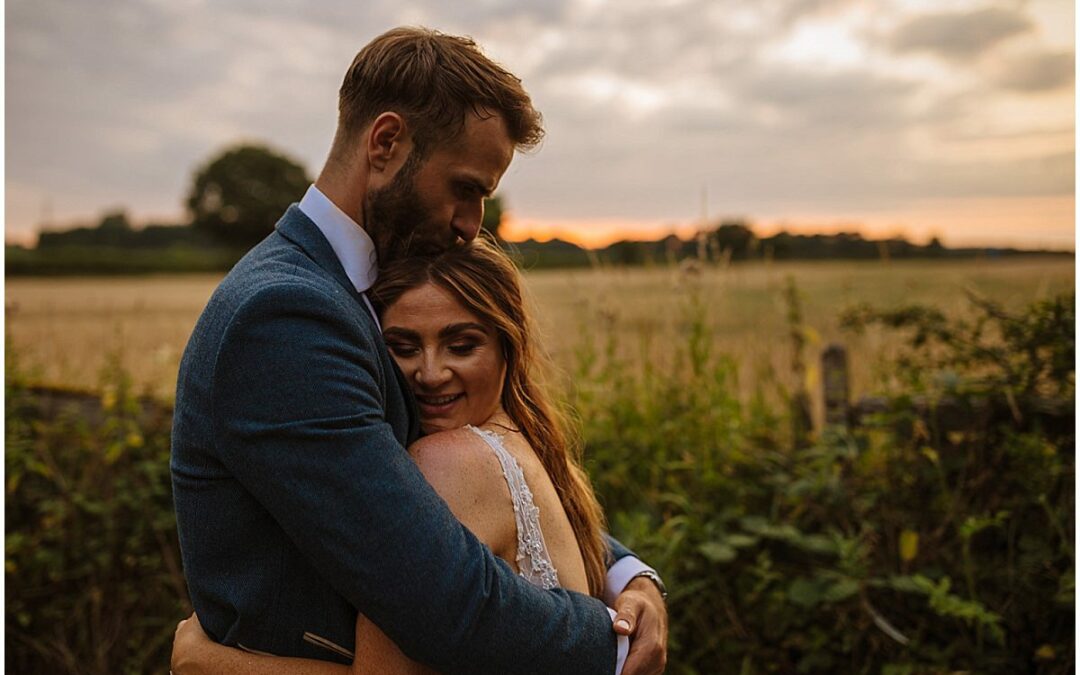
[[352, 245]]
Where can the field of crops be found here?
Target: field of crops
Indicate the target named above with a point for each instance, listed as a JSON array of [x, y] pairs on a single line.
[[65, 329]]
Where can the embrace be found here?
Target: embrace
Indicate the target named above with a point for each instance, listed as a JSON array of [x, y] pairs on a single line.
[[366, 465]]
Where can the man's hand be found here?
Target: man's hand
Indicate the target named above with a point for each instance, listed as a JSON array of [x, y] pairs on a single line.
[[641, 614]]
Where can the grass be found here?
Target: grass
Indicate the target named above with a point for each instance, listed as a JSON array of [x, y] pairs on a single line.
[[61, 326]]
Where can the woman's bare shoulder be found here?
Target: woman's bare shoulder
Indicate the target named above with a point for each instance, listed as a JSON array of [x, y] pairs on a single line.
[[465, 472], [452, 451]]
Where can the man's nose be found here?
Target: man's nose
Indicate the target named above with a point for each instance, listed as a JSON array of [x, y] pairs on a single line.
[[468, 221]]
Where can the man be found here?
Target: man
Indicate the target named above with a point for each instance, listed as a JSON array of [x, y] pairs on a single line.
[[297, 504]]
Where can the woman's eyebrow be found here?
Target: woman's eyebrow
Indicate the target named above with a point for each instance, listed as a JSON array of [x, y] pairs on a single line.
[[455, 328], [394, 331]]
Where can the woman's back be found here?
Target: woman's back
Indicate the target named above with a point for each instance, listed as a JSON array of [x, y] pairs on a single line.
[[464, 468], [547, 550]]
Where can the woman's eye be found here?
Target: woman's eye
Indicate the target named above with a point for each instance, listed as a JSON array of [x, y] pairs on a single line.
[[463, 349], [403, 350]]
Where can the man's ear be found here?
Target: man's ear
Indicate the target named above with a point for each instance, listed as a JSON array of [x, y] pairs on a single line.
[[388, 141]]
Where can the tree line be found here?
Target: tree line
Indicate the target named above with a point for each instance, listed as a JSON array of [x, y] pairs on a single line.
[[237, 196]]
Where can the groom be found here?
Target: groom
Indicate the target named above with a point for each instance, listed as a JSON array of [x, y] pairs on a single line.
[[297, 504]]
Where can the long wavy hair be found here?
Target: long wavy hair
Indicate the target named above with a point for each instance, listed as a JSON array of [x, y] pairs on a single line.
[[486, 282]]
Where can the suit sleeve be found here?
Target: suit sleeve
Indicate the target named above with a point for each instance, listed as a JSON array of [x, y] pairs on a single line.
[[616, 551], [298, 408]]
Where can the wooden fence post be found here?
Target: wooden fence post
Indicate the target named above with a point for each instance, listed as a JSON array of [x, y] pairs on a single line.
[[834, 383]]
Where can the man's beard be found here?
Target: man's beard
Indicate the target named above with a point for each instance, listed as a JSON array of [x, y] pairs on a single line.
[[399, 223]]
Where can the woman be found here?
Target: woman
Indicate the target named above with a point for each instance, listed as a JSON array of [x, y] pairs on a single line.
[[496, 449]]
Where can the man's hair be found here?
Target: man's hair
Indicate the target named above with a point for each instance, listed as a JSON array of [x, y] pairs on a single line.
[[432, 80]]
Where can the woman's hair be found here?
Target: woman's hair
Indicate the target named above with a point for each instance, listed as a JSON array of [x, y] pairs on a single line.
[[486, 282]]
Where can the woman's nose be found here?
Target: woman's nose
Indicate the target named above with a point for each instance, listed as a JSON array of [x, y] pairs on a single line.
[[432, 373]]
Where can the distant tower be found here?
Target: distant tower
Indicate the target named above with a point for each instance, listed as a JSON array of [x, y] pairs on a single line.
[[46, 214], [45, 222]]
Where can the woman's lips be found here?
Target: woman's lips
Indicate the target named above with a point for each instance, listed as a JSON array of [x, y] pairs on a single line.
[[432, 406]]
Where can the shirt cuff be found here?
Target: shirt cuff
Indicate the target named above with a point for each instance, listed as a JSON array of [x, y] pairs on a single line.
[[620, 574], [623, 647]]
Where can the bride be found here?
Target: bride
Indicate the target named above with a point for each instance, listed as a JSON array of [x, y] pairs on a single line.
[[496, 448]]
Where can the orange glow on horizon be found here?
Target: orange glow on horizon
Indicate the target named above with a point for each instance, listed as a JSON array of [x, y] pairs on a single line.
[[1024, 222], [595, 233]]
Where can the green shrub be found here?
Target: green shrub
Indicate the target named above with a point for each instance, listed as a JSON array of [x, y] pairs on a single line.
[[92, 566], [911, 544]]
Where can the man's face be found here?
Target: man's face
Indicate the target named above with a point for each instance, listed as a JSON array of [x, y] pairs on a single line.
[[433, 202]]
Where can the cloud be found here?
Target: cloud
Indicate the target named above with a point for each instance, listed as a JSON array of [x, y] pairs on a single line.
[[794, 11], [960, 36], [1038, 72], [646, 103], [810, 98]]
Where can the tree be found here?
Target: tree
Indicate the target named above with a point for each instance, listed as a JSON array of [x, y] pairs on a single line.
[[115, 221], [493, 213], [735, 236], [238, 196]]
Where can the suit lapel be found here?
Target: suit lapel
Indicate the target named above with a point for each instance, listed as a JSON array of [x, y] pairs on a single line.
[[302, 231], [299, 229]]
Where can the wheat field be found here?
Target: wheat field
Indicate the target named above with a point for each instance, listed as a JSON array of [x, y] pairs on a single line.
[[64, 331]]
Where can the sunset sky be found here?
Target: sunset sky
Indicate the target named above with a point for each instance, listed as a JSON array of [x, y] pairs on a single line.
[[914, 117]]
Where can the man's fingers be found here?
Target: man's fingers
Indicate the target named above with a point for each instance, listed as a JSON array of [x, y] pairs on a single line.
[[645, 658], [643, 616], [627, 611]]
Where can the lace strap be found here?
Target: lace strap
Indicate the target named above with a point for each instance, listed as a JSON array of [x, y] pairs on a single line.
[[534, 561]]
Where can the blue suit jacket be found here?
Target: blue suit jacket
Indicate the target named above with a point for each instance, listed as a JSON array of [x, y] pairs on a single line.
[[297, 504]]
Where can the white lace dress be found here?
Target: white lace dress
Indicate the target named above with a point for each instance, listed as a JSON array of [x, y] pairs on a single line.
[[533, 559]]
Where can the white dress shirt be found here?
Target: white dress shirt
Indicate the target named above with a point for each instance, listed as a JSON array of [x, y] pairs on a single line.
[[352, 245], [356, 252]]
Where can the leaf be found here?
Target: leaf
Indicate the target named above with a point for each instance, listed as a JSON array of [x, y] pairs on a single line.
[[909, 545], [972, 525], [816, 543], [754, 523], [718, 551], [905, 584], [805, 592], [741, 540], [841, 590]]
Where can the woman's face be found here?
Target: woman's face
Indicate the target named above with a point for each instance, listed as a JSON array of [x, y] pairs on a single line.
[[453, 361]]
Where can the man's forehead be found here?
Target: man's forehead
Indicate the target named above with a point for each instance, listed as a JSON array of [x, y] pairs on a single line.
[[481, 153], [480, 129]]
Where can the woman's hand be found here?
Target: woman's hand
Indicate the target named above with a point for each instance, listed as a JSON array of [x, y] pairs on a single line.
[[192, 648], [194, 653]]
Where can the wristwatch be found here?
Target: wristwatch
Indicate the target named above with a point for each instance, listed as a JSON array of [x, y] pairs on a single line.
[[655, 578]]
